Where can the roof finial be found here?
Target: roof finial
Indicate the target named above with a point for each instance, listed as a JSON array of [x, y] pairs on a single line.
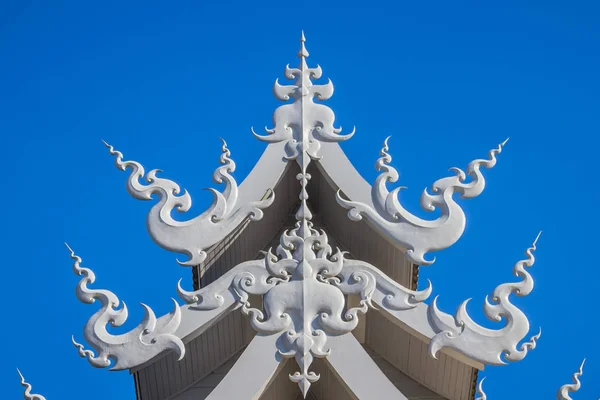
[[303, 53]]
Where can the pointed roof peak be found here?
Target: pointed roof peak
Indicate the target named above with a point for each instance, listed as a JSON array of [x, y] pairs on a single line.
[[303, 53]]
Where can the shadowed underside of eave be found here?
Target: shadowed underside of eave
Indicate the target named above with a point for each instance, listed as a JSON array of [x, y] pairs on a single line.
[[395, 350], [364, 243], [328, 387]]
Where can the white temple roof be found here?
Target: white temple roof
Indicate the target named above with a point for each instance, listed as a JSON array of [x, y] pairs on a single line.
[[306, 296]]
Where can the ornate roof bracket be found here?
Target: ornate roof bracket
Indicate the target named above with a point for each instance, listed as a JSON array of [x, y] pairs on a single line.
[[411, 233], [150, 338], [194, 236], [243, 280], [488, 346], [27, 395], [563, 392]]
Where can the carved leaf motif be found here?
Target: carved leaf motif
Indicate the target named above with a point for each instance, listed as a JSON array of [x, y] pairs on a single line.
[[563, 392]]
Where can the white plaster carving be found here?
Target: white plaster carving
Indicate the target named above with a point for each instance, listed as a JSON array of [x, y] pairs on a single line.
[[27, 395], [247, 278], [413, 234], [303, 124], [194, 236], [488, 346], [480, 392], [563, 392], [304, 281], [151, 337]]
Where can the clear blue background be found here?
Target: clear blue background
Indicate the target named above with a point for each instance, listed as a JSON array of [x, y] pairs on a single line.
[[163, 82]]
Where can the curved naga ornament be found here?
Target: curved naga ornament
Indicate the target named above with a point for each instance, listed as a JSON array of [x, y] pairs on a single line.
[[150, 338], [415, 235], [488, 345], [194, 236], [563, 392], [27, 393], [303, 124]]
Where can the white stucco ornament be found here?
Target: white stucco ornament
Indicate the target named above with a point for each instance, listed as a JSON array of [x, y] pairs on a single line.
[[413, 234], [194, 236], [150, 338], [488, 346], [480, 392], [562, 394], [27, 395], [304, 283], [303, 124]]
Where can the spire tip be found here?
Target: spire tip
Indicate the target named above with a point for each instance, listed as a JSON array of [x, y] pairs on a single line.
[[303, 53]]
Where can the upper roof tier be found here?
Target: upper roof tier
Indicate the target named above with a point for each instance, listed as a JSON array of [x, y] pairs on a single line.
[[304, 131]]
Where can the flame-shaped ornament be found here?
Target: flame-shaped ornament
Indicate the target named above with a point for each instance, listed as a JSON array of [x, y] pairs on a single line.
[[411, 233], [480, 392], [27, 395], [563, 392], [194, 236], [303, 124], [150, 338], [488, 346]]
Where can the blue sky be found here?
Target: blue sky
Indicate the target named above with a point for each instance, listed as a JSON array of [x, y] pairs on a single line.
[[162, 82]]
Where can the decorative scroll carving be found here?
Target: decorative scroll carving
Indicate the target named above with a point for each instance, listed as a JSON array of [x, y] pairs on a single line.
[[194, 236], [150, 338], [487, 345], [247, 278], [359, 277], [27, 393], [415, 235], [563, 392], [303, 124]]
